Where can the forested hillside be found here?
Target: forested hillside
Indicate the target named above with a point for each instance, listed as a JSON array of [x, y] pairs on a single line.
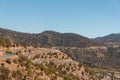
[[111, 37], [46, 39]]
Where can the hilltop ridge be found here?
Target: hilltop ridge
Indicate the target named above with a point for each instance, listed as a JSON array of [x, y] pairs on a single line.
[[46, 39]]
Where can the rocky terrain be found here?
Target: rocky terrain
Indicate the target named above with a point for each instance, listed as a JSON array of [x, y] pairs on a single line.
[[52, 55], [99, 56], [47, 64], [40, 64]]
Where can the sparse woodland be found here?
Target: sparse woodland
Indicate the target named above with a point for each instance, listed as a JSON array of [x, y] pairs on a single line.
[[56, 56]]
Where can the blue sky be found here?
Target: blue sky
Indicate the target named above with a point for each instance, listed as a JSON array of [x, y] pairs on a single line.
[[90, 18]]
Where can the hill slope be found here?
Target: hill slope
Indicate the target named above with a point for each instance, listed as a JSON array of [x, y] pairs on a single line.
[[111, 37], [47, 39], [48, 64]]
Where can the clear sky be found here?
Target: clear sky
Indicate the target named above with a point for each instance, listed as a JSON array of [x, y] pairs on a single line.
[[90, 18]]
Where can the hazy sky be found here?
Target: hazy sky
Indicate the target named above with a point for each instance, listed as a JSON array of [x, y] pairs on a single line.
[[89, 18]]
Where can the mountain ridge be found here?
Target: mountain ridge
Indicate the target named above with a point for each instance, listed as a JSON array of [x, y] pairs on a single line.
[[114, 37], [47, 39]]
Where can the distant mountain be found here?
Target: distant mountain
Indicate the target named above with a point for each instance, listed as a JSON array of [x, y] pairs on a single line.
[[46, 39], [111, 38]]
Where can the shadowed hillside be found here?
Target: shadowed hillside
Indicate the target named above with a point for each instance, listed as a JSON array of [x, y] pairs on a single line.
[[111, 37], [47, 39]]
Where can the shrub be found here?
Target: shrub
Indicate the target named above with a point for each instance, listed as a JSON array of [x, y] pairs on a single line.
[[5, 72], [15, 61], [68, 77], [17, 75], [8, 51], [8, 61]]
